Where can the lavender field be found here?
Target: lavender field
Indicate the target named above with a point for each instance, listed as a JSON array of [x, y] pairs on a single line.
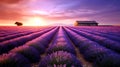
[[60, 46]]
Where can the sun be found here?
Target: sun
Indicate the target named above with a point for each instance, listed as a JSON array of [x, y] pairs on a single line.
[[36, 21]]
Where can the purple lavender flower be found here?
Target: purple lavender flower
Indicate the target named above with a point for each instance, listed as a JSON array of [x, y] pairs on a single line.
[[29, 52], [108, 60], [14, 60], [61, 47], [38, 46], [60, 58]]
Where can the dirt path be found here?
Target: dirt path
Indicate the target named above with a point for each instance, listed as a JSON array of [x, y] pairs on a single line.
[[45, 54], [83, 61]]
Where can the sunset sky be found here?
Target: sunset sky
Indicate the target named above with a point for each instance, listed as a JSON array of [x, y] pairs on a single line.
[[59, 12]]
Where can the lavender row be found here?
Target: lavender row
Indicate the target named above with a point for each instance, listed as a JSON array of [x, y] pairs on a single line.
[[10, 44], [114, 45], [6, 31], [60, 59], [92, 31], [29, 52], [114, 38], [61, 43], [13, 60], [93, 52], [22, 33], [19, 34], [14, 36], [60, 53], [112, 30], [43, 41]]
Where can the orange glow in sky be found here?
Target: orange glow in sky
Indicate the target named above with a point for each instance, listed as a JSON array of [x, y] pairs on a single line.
[[35, 21]]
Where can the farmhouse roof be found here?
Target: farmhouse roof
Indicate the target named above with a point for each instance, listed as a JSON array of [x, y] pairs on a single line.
[[86, 22]]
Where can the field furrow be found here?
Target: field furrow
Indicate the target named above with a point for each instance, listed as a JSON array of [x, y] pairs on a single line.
[[60, 46]]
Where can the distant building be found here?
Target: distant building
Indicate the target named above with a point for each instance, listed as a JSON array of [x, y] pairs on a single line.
[[86, 23], [18, 23]]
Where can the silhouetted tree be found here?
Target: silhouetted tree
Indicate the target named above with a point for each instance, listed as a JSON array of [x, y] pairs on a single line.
[[18, 23]]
